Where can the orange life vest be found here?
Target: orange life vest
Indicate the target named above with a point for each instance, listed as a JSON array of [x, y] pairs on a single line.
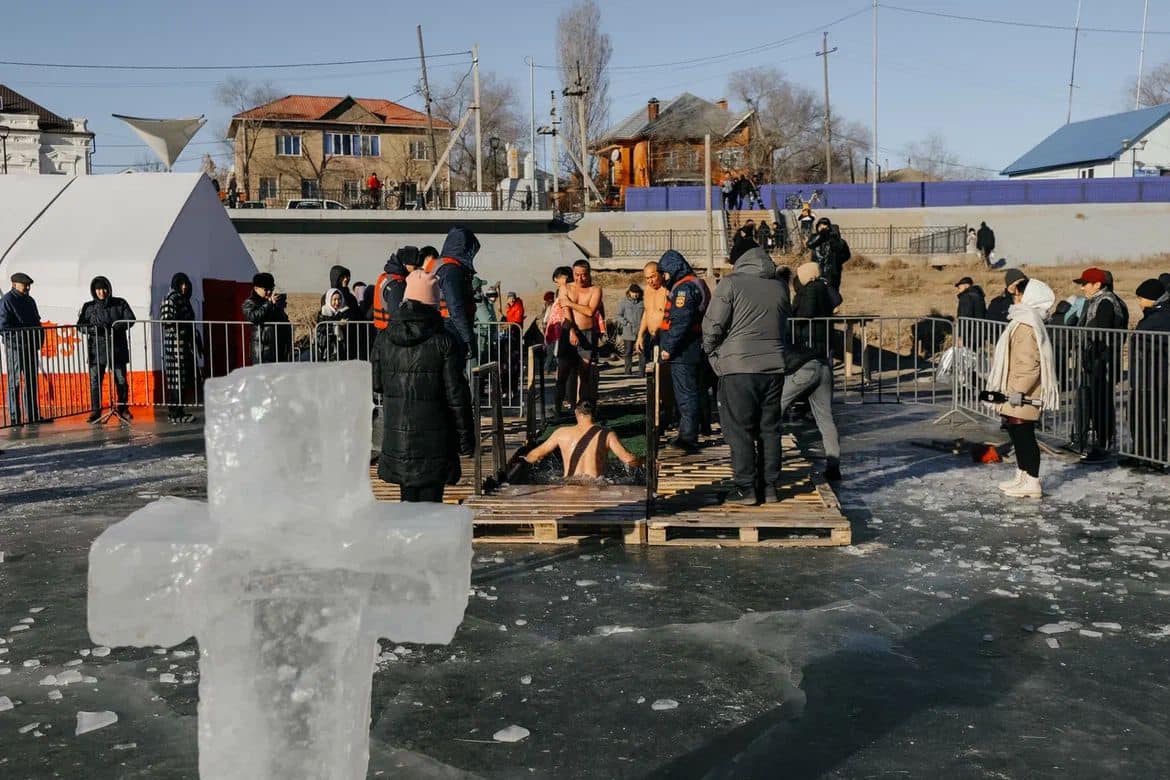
[[704, 299], [430, 267], [381, 315]]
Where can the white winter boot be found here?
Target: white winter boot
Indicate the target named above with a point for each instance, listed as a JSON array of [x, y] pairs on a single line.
[[1013, 482], [1029, 487]]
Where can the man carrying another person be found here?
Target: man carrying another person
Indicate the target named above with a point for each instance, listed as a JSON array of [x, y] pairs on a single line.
[[581, 302], [584, 447]]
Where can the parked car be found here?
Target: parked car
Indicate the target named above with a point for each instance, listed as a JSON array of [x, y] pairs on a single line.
[[314, 203]]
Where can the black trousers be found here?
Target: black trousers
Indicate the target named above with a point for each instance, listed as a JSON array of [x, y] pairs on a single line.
[[97, 374], [750, 415], [427, 493], [568, 375], [1023, 436]]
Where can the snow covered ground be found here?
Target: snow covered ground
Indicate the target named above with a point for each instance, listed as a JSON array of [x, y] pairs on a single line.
[[962, 634]]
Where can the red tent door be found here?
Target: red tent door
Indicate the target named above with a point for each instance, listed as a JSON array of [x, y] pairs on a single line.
[[226, 346]]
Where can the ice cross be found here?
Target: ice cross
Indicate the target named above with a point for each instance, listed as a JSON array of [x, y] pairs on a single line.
[[287, 577]]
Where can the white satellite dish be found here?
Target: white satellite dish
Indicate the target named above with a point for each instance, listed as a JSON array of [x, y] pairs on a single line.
[[167, 138]]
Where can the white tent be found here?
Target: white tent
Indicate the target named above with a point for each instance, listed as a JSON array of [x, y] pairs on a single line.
[[137, 231]]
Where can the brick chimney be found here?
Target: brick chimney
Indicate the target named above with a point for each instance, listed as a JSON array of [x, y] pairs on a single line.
[[722, 103], [651, 109]]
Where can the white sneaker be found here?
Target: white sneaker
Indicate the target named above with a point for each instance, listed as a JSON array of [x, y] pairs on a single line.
[[1013, 482], [1029, 487]]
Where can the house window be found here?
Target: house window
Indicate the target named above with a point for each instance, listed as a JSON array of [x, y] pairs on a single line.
[[732, 158], [351, 190], [419, 150], [288, 145], [1087, 173], [309, 188], [352, 145], [268, 187]]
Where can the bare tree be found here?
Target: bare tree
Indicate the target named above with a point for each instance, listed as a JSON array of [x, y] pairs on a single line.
[[932, 156], [583, 48], [1155, 87], [238, 95], [501, 118]]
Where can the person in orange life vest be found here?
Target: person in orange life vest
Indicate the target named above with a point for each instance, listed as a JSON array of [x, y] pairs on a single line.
[[680, 340], [391, 284], [454, 269], [514, 310]]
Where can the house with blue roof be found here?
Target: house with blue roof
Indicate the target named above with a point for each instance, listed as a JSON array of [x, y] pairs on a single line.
[[1133, 143]]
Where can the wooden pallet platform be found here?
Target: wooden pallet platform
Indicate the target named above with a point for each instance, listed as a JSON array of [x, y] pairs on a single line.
[[690, 511], [559, 514], [514, 434]]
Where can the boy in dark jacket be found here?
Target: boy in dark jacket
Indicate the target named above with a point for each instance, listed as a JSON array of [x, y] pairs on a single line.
[[418, 367], [108, 345]]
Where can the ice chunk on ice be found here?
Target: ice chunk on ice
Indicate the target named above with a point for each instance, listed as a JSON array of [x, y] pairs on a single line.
[[28, 727], [167, 677], [68, 677], [664, 704], [526, 680], [290, 563], [611, 630], [100, 652], [55, 695], [6, 704], [92, 721], [1108, 626], [513, 733], [50, 680]]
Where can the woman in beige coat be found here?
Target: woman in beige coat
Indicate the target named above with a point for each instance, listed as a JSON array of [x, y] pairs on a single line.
[[1024, 371]]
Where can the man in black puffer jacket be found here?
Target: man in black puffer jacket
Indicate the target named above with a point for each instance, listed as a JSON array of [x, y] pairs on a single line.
[[108, 345], [272, 335], [418, 367]]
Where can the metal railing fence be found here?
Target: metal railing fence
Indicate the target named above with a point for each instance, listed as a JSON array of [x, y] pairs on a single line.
[[892, 240], [503, 343], [879, 359], [1114, 386], [46, 374], [651, 243]]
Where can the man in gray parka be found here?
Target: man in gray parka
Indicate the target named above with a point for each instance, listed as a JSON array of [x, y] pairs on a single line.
[[743, 336]]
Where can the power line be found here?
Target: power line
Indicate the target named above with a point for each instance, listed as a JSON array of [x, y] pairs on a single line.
[[281, 66], [207, 83], [716, 57], [1019, 23]]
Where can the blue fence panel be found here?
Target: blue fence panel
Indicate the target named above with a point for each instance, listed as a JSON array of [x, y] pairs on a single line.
[[1005, 192]]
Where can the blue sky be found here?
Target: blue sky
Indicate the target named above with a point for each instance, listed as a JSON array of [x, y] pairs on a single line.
[[991, 90]]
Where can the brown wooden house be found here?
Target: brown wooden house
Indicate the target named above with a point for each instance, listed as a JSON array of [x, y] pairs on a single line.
[[662, 145]]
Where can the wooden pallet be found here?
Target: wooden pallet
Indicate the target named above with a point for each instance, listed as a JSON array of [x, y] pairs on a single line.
[[559, 514], [690, 509]]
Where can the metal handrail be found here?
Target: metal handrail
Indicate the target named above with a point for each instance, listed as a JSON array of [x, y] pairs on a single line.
[[653, 372], [499, 461]]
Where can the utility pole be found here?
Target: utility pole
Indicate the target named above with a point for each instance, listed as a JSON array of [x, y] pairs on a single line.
[[707, 199], [824, 53], [532, 115], [1073, 78], [579, 91], [552, 129], [478, 119], [875, 101], [1137, 97], [427, 97]]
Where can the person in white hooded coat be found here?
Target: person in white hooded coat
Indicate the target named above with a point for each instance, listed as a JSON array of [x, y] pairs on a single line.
[[1024, 370]]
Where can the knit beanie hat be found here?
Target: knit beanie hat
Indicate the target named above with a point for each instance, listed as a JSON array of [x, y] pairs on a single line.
[[422, 287]]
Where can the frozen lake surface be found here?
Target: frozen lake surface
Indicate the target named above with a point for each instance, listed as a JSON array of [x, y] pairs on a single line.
[[961, 635]]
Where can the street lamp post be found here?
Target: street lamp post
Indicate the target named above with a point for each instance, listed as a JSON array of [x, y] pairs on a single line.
[[4, 130], [494, 147]]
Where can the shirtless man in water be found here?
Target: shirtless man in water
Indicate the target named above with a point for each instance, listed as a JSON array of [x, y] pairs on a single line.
[[584, 447], [581, 301]]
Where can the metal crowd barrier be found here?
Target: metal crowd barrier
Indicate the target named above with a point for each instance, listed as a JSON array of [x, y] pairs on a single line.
[[46, 374], [653, 411], [879, 359], [536, 395], [1114, 386], [490, 374], [503, 343]]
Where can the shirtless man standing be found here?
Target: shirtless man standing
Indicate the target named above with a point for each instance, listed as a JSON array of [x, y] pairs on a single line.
[[581, 301], [584, 447], [654, 310]]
